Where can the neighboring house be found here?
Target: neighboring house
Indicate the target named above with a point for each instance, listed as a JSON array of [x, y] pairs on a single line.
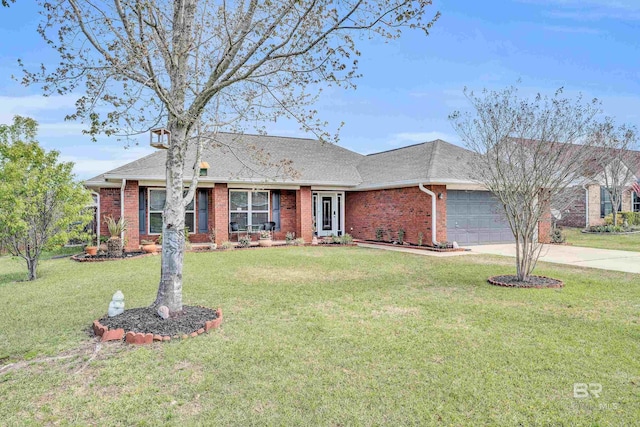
[[590, 203], [309, 187]]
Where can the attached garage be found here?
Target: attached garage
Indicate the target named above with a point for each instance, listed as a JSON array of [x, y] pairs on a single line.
[[476, 217]]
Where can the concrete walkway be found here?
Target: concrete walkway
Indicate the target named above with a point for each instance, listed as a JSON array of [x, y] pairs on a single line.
[[605, 259]]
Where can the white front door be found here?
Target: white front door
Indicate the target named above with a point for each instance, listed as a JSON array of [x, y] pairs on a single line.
[[328, 213]]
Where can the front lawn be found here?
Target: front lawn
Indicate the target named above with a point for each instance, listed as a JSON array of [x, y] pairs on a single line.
[[622, 242], [325, 336]]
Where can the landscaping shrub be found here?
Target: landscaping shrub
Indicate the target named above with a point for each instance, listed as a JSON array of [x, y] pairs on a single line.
[[226, 245], [608, 220], [346, 239], [606, 229], [401, 236], [379, 232], [632, 218], [288, 238], [557, 235], [244, 242]]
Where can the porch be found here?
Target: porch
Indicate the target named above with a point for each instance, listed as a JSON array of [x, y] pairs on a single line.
[[298, 210]]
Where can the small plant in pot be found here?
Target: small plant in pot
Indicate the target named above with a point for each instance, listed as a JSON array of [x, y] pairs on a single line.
[[149, 246], [265, 239], [116, 230], [90, 249]]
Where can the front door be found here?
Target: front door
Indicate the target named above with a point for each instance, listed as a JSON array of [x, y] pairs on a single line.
[[328, 215]]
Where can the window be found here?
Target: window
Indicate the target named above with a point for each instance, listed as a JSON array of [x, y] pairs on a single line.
[[636, 202], [248, 208], [605, 203], [157, 199]]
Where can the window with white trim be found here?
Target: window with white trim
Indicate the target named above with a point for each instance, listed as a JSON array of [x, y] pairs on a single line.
[[157, 199], [248, 208]]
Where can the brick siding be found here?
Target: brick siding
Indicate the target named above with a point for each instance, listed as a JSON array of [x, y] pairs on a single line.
[[574, 214], [304, 216], [408, 208], [288, 221]]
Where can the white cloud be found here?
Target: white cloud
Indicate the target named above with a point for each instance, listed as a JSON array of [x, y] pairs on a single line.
[[101, 159], [32, 105], [572, 30]]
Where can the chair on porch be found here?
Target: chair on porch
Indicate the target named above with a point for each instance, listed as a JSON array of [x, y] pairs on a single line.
[[234, 228], [269, 226]]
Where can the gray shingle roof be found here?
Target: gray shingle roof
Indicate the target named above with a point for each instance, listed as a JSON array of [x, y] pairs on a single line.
[[245, 158], [435, 161], [255, 158]]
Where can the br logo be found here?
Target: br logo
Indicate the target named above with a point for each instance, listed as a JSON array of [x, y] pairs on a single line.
[[584, 390]]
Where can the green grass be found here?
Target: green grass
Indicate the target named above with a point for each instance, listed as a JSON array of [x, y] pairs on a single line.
[[326, 336], [622, 242]]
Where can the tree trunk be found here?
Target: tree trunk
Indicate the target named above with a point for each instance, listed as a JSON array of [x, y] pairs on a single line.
[[32, 265], [173, 242]]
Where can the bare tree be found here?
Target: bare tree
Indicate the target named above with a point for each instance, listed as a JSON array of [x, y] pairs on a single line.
[[196, 66], [527, 156], [613, 159]]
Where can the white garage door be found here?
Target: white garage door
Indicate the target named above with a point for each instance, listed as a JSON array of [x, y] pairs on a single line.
[[476, 217]]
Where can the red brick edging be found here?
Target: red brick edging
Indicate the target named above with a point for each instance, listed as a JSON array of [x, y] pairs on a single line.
[[560, 283], [138, 338]]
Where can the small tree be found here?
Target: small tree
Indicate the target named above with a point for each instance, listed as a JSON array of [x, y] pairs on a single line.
[[613, 159], [41, 205], [526, 156]]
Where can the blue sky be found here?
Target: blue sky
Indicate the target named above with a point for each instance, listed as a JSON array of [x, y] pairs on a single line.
[[410, 85]]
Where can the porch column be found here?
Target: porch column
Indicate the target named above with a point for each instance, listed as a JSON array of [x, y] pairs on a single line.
[[304, 216], [131, 204], [220, 214]]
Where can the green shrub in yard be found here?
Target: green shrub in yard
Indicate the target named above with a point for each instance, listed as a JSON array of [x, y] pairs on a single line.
[[288, 238], [298, 242], [226, 245], [557, 235], [606, 228], [379, 233], [608, 220], [346, 239], [632, 218], [244, 242], [401, 236]]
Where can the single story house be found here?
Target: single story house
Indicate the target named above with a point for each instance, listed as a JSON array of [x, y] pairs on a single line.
[[312, 188], [590, 203]]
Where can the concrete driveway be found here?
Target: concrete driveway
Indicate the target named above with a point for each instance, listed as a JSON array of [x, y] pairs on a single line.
[[604, 259]]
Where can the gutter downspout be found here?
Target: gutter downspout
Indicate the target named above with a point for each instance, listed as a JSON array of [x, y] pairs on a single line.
[[97, 217], [124, 183], [586, 205], [433, 213]]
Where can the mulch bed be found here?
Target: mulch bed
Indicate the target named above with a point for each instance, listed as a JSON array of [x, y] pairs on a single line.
[[411, 246], [146, 320], [511, 281], [610, 232], [83, 257]]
